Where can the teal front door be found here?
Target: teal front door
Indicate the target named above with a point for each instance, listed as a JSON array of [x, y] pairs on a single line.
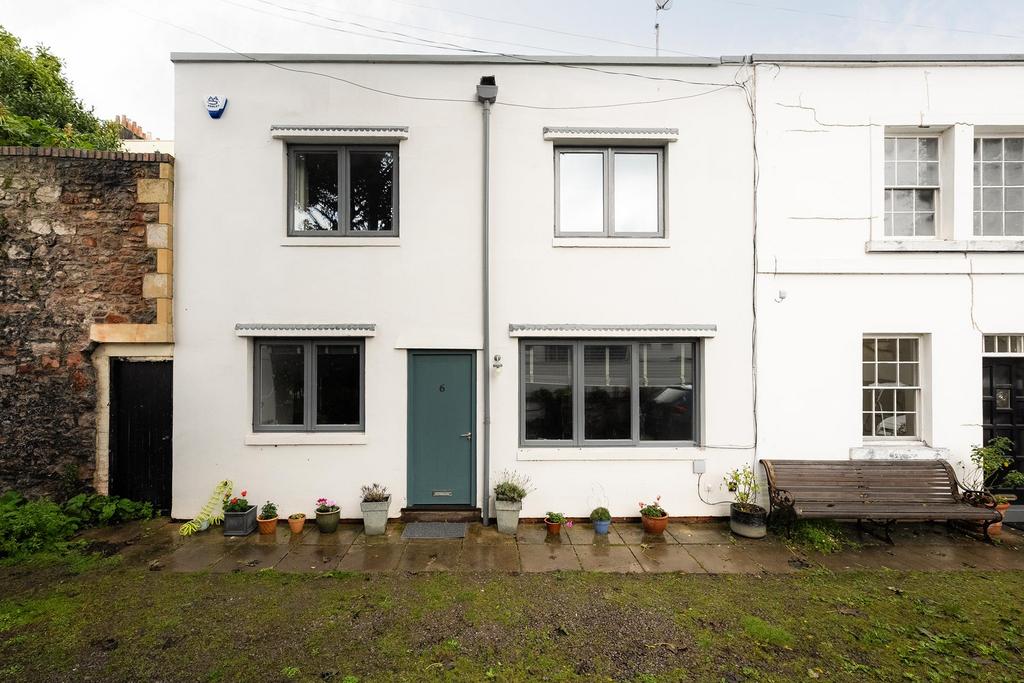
[[442, 425]]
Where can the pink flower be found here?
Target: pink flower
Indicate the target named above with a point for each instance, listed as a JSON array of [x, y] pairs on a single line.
[[568, 524], [244, 493]]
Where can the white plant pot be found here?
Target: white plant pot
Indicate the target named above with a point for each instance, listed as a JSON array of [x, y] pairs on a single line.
[[508, 515], [375, 517]]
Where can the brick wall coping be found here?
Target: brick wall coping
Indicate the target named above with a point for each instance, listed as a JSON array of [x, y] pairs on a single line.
[[84, 154]]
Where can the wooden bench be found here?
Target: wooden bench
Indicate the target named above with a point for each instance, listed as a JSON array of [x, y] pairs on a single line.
[[886, 491]]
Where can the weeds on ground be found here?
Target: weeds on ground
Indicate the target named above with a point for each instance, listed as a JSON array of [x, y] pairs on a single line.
[[820, 535]]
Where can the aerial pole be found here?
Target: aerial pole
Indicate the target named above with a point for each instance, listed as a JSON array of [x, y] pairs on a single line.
[[659, 6]]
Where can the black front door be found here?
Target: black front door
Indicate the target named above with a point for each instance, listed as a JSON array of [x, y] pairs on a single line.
[[1003, 406], [140, 431]]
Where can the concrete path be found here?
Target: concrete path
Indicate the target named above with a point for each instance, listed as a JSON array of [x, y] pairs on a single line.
[[705, 548]]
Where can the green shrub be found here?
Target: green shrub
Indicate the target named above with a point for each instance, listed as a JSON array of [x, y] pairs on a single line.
[[37, 526], [92, 509], [28, 527], [600, 514]]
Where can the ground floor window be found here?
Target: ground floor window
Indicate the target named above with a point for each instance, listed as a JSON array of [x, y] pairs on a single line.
[[607, 392], [891, 387], [308, 385]]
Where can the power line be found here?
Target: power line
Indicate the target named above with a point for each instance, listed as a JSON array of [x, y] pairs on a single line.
[[541, 28], [389, 93], [405, 38], [444, 33]]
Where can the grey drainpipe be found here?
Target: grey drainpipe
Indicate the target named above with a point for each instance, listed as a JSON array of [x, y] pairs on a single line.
[[486, 94]]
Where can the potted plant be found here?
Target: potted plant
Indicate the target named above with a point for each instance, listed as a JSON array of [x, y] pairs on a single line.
[[297, 522], [328, 514], [992, 464], [746, 518], [376, 501], [601, 519], [239, 515], [509, 492], [267, 519], [554, 522], [653, 517], [211, 513]]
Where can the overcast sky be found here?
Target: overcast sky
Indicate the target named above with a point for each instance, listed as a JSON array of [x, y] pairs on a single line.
[[116, 51]]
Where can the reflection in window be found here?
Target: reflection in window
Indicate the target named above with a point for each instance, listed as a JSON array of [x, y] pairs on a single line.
[[609, 192], [891, 388], [607, 372], [315, 194], [548, 392], [281, 368], [371, 178]]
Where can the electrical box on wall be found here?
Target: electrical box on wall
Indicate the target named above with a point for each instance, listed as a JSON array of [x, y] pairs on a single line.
[[700, 466]]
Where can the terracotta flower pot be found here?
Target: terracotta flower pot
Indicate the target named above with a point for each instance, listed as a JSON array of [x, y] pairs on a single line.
[[267, 526], [554, 528], [654, 525], [996, 528], [297, 525]]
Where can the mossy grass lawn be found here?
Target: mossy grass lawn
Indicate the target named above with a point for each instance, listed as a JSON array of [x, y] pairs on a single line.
[[102, 620]]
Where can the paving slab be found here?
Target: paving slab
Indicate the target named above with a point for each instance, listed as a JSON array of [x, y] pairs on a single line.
[[607, 558], [343, 537], [872, 557], [482, 557], [724, 559], [193, 558], [433, 556], [392, 534], [281, 535], [310, 558], [546, 557], [533, 534], [633, 534], [701, 532], [775, 558], [667, 558], [371, 558], [583, 534], [488, 535], [251, 558]]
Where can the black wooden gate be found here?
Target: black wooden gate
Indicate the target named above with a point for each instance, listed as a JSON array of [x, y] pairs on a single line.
[[1003, 406], [140, 431]]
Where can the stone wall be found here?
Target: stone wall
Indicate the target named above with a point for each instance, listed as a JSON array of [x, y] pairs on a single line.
[[72, 253]]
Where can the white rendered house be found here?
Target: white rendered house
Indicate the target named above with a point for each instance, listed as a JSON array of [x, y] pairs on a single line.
[[425, 270]]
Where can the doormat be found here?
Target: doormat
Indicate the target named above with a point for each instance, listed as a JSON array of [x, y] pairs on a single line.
[[435, 530]]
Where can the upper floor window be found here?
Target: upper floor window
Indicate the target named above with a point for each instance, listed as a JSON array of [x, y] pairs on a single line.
[[610, 192], [307, 385], [891, 387], [605, 392], [999, 186], [342, 190], [911, 186]]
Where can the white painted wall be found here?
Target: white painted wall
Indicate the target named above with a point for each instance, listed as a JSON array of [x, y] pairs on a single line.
[[232, 265], [820, 131]]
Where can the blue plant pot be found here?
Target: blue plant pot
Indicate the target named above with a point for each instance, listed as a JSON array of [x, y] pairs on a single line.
[[601, 526]]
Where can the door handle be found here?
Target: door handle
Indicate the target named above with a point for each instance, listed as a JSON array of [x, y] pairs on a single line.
[[467, 435]]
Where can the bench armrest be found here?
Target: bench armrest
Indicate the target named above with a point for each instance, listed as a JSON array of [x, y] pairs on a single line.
[[981, 499], [780, 498]]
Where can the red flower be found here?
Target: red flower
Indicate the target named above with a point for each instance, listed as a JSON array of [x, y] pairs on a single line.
[[234, 500], [244, 493]]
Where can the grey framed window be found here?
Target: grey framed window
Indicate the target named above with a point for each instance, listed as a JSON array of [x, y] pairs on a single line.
[[343, 190], [891, 387], [609, 192], [911, 186], [999, 187], [308, 385], [608, 392]]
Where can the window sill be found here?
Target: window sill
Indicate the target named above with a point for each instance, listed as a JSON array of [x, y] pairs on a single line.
[[341, 242], [611, 242], [944, 246], [898, 450], [630, 453], [306, 439]]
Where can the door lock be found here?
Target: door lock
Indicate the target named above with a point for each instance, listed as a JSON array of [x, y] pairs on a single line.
[[467, 435]]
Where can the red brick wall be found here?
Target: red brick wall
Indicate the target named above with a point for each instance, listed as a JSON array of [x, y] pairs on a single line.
[[72, 252]]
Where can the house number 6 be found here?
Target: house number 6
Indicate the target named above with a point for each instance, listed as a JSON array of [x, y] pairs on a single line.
[[442, 388]]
